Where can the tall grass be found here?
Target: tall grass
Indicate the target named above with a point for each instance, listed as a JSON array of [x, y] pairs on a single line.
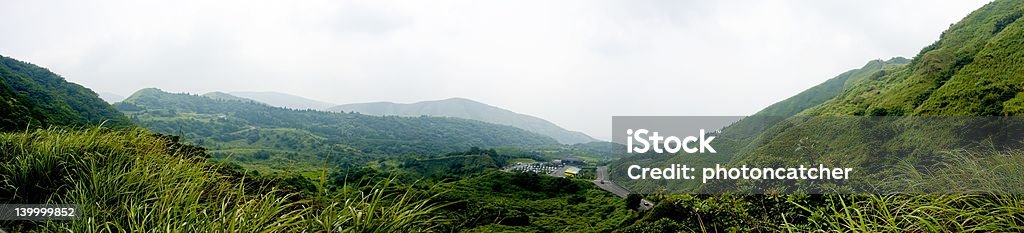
[[379, 209], [128, 180], [978, 191]]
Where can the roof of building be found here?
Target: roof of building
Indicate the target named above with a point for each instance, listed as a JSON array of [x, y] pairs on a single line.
[[572, 170]]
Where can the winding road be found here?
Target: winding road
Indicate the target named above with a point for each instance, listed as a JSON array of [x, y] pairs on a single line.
[[604, 182]]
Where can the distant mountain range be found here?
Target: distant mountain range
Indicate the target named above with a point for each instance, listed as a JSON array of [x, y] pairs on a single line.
[[453, 107], [468, 109], [225, 96], [279, 99], [242, 124]]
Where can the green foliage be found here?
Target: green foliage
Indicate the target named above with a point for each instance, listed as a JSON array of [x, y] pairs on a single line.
[[817, 95], [468, 109], [129, 180], [961, 172], [529, 202], [975, 69], [247, 131], [633, 201], [32, 96], [382, 207]]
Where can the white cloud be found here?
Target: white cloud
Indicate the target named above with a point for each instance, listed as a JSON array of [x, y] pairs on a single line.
[[575, 63]]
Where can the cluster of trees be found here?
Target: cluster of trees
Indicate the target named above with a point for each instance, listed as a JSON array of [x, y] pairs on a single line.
[[529, 202], [32, 96]]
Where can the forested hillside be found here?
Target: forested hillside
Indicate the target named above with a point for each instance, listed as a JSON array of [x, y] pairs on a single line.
[[829, 89], [468, 109], [248, 130], [974, 69], [32, 96]]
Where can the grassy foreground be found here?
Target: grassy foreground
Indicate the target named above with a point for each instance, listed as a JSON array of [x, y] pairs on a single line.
[[130, 180], [969, 191]]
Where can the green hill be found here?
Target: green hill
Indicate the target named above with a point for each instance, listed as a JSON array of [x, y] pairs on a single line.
[[976, 68], [829, 89], [468, 109], [225, 96], [230, 127], [32, 96], [972, 70]]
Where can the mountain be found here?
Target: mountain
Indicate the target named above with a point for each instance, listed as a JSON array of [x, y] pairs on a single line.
[[111, 97], [468, 109], [897, 125], [225, 96], [283, 100], [976, 68], [250, 128], [33, 96], [829, 89]]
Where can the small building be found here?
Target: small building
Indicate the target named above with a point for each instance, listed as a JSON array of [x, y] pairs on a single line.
[[572, 171]]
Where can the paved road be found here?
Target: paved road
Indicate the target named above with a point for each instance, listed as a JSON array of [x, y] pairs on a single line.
[[605, 183], [560, 172]]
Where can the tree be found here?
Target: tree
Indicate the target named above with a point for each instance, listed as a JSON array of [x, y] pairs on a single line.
[[633, 201]]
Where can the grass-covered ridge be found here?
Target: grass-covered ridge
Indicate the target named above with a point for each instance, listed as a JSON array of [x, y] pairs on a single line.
[[130, 180]]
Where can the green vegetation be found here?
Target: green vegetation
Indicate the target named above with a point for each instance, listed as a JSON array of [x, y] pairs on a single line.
[[975, 69], [468, 109], [269, 136], [829, 89], [958, 211], [32, 96], [529, 202], [128, 180], [311, 171]]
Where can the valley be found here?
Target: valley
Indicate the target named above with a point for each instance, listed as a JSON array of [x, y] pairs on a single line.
[[229, 161]]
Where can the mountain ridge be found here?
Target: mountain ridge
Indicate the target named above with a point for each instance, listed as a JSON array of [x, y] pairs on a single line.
[[240, 124], [459, 107], [281, 99]]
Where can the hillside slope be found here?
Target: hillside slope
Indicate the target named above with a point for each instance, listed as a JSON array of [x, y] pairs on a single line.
[[468, 109], [237, 125], [33, 96], [975, 68], [829, 89]]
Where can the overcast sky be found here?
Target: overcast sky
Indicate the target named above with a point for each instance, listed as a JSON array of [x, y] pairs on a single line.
[[575, 63]]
